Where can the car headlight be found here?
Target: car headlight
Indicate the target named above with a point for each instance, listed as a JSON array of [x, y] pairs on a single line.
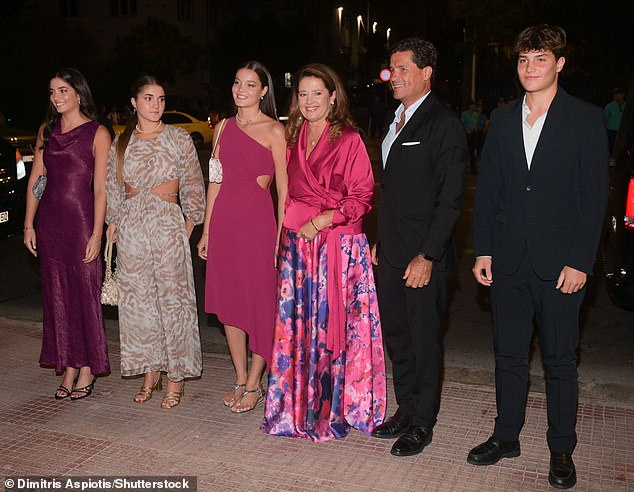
[[19, 165]]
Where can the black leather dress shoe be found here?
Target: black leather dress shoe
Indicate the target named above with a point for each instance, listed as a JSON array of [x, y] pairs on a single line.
[[492, 451], [562, 473], [412, 442], [392, 427]]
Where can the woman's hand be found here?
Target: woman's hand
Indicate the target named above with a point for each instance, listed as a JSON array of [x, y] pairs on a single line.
[[30, 240], [202, 246], [92, 248], [308, 231], [111, 233]]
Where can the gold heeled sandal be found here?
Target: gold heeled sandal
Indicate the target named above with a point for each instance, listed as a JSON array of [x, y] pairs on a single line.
[[145, 393], [233, 395], [172, 398], [239, 408]]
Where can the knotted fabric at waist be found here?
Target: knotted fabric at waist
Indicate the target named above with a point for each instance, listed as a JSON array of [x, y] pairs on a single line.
[[336, 326]]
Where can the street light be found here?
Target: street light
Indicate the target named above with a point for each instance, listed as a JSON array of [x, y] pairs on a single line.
[[340, 14], [387, 33], [359, 21], [374, 27]]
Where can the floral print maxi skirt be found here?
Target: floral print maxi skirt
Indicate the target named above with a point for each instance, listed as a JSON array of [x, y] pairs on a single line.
[[309, 394]]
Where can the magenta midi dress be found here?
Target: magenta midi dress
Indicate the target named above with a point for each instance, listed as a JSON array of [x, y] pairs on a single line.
[[240, 286], [73, 329]]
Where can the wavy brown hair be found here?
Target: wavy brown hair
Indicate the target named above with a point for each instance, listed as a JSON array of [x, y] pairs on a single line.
[[541, 38], [77, 81], [124, 138], [339, 116]]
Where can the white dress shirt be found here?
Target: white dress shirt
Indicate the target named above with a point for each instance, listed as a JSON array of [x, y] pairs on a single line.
[[531, 133], [391, 135]]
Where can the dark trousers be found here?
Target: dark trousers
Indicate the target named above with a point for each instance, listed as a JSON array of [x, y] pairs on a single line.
[[515, 300], [411, 321]]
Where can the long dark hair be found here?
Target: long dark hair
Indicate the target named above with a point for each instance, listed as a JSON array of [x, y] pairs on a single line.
[[77, 81], [124, 138], [267, 103], [339, 116]]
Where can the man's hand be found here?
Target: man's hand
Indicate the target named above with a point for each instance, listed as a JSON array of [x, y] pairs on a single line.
[[373, 255], [482, 270], [418, 272], [571, 280]]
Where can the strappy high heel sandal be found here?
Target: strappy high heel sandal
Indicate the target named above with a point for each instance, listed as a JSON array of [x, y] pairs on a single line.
[[172, 398], [84, 392], [145, 393], [233, 395], [64, 390], [239, 408]]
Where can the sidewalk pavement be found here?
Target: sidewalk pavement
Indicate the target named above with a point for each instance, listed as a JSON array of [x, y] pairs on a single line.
[[108, 434]]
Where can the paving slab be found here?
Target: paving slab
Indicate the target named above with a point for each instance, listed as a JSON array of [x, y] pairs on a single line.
[[108, 434]]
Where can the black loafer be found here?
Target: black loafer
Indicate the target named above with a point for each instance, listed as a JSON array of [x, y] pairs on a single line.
[[492, 451], [412, 442], [392, 427], [562, 473]]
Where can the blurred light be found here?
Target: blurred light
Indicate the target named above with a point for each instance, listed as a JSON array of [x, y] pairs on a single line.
[[385, 75], [288, 80], [374, 28], [388, 33], [19, 165]]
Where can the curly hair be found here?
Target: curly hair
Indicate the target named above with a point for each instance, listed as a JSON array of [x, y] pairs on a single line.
[[339, 116], [541, 38]]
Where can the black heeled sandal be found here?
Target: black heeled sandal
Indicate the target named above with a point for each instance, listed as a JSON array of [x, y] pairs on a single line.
[[85, 392]]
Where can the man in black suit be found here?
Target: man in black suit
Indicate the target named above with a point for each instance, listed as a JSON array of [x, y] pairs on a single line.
[[539, 207], [424, 155]]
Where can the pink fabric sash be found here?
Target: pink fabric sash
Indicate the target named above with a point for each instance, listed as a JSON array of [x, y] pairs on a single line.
[[336, 336]]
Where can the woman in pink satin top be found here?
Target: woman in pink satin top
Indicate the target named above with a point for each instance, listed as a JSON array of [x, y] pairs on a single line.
[[327, 369]]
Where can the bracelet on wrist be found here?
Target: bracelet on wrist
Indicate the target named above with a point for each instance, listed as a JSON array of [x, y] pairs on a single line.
[[316, 228], [27, 228], [95, 236]]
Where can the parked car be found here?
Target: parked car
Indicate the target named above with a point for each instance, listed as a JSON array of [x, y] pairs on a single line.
[[617, 246], [201, 131], [23, 140], [14, 174]]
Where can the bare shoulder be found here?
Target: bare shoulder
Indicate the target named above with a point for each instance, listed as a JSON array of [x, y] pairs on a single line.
[[102, 133]]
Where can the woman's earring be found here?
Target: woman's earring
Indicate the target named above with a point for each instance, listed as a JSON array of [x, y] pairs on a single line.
[[261, 98]]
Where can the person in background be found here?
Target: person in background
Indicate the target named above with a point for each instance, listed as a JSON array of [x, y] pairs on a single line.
[[613, 113], [71, 151], [240, 235], [327, 369], [469, 120], [156, 195]]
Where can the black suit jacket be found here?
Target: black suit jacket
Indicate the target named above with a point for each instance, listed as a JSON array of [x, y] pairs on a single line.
[[556, 208], [422, 185]]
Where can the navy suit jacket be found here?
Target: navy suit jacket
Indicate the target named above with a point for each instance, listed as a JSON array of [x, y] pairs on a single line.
[[422, 186], [557, 207]]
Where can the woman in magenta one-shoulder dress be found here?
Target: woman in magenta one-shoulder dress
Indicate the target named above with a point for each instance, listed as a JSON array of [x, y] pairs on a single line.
[[240, 234], [328, 369], [71, 151]]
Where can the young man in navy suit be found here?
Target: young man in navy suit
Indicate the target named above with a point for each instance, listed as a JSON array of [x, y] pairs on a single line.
[[540, 200], [424, 156]]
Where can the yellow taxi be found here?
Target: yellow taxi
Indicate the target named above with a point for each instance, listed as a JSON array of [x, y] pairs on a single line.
[[201, 131]]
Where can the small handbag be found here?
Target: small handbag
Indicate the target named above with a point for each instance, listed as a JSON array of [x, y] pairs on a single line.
[[110, 288], [39, 186], [215, 166]]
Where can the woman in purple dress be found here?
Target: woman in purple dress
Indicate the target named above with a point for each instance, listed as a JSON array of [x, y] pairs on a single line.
[[71, 151], [327, 370], [239, 236]]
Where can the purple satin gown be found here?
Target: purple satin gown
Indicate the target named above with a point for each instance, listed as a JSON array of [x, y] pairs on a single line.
[[73, 324]]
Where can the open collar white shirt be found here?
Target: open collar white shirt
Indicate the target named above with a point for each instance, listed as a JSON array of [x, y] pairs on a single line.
[[531, 133], [391, 135]]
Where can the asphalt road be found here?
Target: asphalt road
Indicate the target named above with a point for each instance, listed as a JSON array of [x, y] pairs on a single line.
[[606, 352]]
